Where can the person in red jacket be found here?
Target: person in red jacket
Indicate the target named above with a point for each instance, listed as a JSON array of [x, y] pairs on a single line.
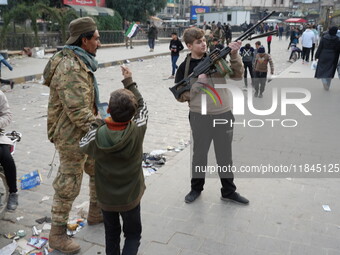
[[269, 41]]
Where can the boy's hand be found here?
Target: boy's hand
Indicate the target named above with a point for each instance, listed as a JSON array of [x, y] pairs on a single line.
[[126, 72], [203, 78], [235, 47]]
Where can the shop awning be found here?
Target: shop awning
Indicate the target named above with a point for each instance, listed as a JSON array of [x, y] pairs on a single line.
[[92, 10], [295, 20]]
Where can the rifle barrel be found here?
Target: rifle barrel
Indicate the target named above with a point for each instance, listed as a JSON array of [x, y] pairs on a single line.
[[274, 32]]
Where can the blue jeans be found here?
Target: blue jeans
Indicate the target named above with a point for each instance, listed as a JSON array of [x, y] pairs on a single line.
[[132, 228], [174, 66], [151, 42]]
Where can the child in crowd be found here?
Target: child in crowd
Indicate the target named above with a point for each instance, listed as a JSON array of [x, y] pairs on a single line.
[[296, 53], [261, 70], [175, 47], [247, 54], [117, 147], [201, 125]]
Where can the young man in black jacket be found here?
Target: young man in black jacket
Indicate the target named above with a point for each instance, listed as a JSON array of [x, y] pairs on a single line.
[[175, 47]]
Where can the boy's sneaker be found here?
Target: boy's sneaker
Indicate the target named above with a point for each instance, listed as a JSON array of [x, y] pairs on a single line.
[[236, 198], [260, 96], [171, 77], [191, 196], [12, 202], [255, 95]]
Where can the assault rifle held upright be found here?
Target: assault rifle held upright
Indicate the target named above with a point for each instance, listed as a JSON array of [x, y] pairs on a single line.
[[208, 63]]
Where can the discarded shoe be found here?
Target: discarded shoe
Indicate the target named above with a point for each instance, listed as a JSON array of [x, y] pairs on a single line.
[[236, 198]]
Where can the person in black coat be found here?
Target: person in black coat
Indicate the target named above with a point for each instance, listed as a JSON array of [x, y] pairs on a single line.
[[175, 47], [327, 55], [152, 36]]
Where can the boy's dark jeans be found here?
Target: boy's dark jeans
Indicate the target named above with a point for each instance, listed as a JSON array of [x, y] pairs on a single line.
[[203, 134], [132, 228]]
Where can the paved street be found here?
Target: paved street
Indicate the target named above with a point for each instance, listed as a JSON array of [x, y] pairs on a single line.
[[285, 215]]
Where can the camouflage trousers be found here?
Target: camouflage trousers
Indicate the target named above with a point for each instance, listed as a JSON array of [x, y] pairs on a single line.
[[68, 181]]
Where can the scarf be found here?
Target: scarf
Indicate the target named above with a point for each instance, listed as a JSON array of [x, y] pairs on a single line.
[[91, 64], [117, 126]]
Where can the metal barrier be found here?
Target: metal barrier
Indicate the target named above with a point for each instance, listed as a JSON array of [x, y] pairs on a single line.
[[20, 40]]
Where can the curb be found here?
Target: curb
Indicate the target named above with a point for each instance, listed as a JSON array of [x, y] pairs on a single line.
[[28, 78]]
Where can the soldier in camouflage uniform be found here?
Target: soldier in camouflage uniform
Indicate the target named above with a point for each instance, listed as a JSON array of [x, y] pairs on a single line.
[[71, 110]]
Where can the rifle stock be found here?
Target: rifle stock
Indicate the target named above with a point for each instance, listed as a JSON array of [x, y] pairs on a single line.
[[208, 63]]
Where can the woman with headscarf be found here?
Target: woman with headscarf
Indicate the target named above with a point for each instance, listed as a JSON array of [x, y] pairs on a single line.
[[327, 56]]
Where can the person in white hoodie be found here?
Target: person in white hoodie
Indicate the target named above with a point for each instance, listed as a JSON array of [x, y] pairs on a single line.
[[307, 40]]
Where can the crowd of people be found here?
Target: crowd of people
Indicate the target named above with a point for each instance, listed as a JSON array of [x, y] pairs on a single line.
[[110, 150]]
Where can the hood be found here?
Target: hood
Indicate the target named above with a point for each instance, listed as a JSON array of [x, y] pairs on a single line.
[[330, 37], [121, 142]]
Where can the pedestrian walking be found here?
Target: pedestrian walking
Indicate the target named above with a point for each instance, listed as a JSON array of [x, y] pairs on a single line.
[[131, 30], [327, 55], [175, 47], [269, 42], [257, 46], [152, 36], [307, 40], [227, 33], [316, 42], [294, 37], [247, 54], [117, 147], [201, 125], [261, 69], [72, 108], [280, 31]]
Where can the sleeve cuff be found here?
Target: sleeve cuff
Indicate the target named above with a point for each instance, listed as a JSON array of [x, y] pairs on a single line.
[[127, 82], [235, 57]]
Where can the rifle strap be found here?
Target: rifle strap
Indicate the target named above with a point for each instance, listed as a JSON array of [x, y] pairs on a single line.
[[187, 65]]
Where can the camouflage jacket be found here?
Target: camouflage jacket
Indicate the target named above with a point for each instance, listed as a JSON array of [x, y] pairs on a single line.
[[71, 105]]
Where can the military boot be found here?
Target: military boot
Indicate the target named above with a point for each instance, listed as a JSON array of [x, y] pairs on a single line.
[[59, 240], [95, 215]]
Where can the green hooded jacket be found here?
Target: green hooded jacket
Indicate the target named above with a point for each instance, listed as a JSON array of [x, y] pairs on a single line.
[[118, 159]]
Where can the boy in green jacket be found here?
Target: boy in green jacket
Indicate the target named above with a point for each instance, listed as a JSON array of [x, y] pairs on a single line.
[[117, 148]]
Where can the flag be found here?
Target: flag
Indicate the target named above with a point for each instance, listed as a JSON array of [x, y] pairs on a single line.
[[132, 30]]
